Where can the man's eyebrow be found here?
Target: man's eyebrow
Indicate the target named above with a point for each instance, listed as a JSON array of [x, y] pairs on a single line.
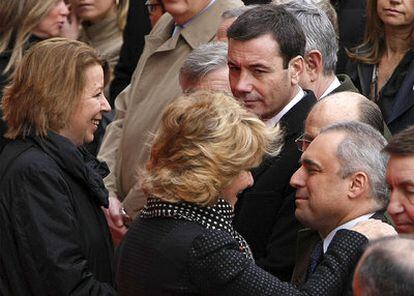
[[309, 162]]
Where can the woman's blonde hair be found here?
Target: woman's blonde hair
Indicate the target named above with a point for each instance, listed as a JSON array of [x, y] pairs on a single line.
[[372, 48], [18, 19], [122, 12], [47, 86], [204, 141]]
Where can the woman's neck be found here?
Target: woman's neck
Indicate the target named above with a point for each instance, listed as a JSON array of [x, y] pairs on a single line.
[[397, 41]]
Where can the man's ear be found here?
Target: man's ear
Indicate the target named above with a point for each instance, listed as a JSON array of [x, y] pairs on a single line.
[[359, 184], [313, 64], [295, 67]]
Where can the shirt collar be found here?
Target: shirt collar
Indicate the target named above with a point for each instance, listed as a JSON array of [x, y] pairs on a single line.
[[275, 120], [348, 225], [334, 84]]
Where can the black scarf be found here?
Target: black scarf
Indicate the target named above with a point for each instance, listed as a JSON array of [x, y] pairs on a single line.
[[219, 216]]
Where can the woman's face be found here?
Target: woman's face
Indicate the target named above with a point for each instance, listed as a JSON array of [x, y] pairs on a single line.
[[93, 10], [88, 114], [396, 12], [239, 183], [51, 25]]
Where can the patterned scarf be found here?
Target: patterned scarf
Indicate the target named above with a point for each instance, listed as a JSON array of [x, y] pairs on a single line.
[[218, 216]]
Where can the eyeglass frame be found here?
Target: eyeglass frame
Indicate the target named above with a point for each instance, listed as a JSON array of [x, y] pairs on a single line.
[[302, 140], [152, 6]]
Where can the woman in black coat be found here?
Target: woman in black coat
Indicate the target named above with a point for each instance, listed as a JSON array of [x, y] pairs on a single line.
[[54, 236], [183, 242]]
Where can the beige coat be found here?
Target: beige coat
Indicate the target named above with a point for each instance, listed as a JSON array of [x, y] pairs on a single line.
[[139, 107]]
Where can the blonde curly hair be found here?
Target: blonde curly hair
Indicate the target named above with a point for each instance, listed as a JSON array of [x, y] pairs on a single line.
[[204, 141]]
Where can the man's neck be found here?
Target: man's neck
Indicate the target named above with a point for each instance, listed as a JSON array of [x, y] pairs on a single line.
[[322, 84], [200, 5]]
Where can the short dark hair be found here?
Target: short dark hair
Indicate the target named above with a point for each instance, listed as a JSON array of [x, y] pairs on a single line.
[[402, 143], [386, 269], [274, 20]]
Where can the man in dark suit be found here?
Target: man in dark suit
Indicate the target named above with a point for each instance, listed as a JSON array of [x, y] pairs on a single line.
[[341, 182], [266, 45], [321, 51]]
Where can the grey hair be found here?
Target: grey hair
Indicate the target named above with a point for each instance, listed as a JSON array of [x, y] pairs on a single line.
[[319, 31], [236, 12], [203, 60], [361, 150], [386, 268]]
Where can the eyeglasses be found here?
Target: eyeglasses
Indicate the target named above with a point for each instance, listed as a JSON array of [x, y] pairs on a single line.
[[302, 143], [151, 6]]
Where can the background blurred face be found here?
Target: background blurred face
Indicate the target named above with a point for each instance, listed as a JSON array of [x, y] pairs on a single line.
[[155, 11], [93, 10], [183, 10], [52, 24], [257, 77], [400, 178], [88, 114], [396, 12], [320, 190]]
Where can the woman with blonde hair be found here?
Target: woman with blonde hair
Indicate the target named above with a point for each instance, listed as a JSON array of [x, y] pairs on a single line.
[[54, 236], [23, 23], [183, 242], [383, 65], [103, 22]]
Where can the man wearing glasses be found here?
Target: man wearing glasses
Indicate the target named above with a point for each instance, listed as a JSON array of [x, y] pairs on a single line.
[[342, 106]]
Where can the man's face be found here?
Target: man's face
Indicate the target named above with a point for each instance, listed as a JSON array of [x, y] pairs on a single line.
[[400, 178], [183, 10], [257, 77], [321, 192]]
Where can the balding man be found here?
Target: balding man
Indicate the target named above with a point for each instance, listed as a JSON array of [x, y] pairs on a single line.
[[386, 268], [342, 106]]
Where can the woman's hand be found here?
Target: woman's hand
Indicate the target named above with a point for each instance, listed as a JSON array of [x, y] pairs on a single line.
[[374, 229]]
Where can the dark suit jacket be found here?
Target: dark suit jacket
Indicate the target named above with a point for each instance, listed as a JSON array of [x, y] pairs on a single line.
[[265, 213], [307, 239], [166, 256], [402, 114]]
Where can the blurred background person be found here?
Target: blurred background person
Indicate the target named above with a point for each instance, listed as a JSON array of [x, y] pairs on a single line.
[[55, 239], [155, 10], [183, 242], [102, 23], [23, 23], [383, 67], [386, 268]]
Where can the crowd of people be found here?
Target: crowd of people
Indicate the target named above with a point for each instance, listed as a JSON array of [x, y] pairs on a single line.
[[207, 147]]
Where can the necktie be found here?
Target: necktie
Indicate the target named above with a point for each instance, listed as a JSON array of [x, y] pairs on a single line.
[[316, 257]]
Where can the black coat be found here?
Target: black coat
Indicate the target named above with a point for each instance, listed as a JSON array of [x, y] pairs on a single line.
[[54, 236], [167, 256], [265, 213], [401, 115]]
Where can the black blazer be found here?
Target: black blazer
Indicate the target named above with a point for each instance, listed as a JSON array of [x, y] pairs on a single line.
[[307, 239], [167, 256], [402, 114], [265, 213]]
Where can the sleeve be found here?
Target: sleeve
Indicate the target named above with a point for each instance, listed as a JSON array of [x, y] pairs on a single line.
[[217, 267], [48, 235], [112, 140]]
